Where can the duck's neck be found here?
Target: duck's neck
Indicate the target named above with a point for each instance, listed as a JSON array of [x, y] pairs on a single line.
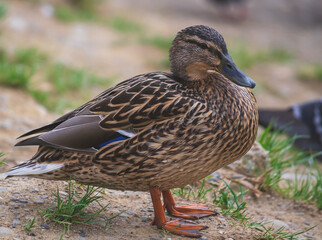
[[213, 87]]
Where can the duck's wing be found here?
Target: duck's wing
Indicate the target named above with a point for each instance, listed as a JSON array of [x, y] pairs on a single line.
[[114, 115]]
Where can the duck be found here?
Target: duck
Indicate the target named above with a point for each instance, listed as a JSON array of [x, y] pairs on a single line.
[[155, 131], [303, 119]]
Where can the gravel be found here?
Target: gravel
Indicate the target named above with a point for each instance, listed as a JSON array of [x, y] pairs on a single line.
[[38, 201], [5, 232], [82, 234], [16, 222], [123, 214], [45, 226]]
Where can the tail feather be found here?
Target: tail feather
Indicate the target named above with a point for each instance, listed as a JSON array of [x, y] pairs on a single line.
[[32, 169]]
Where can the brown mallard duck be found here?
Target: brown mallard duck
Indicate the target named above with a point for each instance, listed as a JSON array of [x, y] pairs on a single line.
[[155, 131]]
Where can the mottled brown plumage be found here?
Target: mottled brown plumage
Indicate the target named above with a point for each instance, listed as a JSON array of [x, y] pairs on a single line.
[[161, 130]]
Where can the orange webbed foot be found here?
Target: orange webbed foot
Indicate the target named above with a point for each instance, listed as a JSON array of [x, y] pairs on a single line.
[[179, 226], [191, 211]]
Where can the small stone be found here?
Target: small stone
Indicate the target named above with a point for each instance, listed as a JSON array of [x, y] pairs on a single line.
[[299, 213], [63, 193], [47, 10], [14, 198], [307, 223], [35, 189], [82, 234], [23, 201], [45, 226], [293, 226], [5, 232], [38, 201], [308, 235], [123, 214], [277, 224], [144, 219], [15, 222], [130, 211], [44, 197], [3, 188], [150, 209], [203, 237], [6, 124]]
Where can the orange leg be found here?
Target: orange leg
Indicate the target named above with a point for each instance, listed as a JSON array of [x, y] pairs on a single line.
[[192, 211], [178, 226]]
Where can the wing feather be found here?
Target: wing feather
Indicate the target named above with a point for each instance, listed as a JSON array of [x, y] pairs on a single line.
[[123, 110]]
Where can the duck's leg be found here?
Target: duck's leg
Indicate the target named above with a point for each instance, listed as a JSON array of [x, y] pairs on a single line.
[[178, 226], [192, 211]]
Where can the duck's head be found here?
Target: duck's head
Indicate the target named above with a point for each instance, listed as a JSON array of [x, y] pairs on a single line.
[[200, 51]]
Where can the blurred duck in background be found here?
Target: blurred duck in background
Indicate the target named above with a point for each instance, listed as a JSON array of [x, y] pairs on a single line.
[[236, 10], [302, 119]]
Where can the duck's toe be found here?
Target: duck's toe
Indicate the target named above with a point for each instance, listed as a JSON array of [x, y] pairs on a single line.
[[191, 211], [184, 228]]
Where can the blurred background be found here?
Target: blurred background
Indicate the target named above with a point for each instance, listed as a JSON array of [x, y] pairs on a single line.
[[62, 53]]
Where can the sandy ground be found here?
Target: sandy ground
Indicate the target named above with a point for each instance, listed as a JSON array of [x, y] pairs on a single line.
[[102, 50]]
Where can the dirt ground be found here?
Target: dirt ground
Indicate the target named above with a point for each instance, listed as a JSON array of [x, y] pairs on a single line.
[[98, 49]]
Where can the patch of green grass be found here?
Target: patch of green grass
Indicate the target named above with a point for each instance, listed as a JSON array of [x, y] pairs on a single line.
[[281, 155], [66, 13], [245, 58], [188, 191], [122, 24], [2, 161], [307, 186], [185, 192], [67, 79], [15, 75], [29, 57], [17, 70], [70, 86], [3, 10], [30, 224], [77, 10], [268, 231], [231, 203], [310, 73], [84, 4], [73, 209], [281, 158], [159, 42]]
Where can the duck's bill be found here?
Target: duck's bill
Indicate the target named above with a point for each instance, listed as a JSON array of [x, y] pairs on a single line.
[[230, 71]]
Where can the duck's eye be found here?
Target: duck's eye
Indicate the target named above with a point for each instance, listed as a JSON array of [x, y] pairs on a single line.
[[203, 45], [199, 44]]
